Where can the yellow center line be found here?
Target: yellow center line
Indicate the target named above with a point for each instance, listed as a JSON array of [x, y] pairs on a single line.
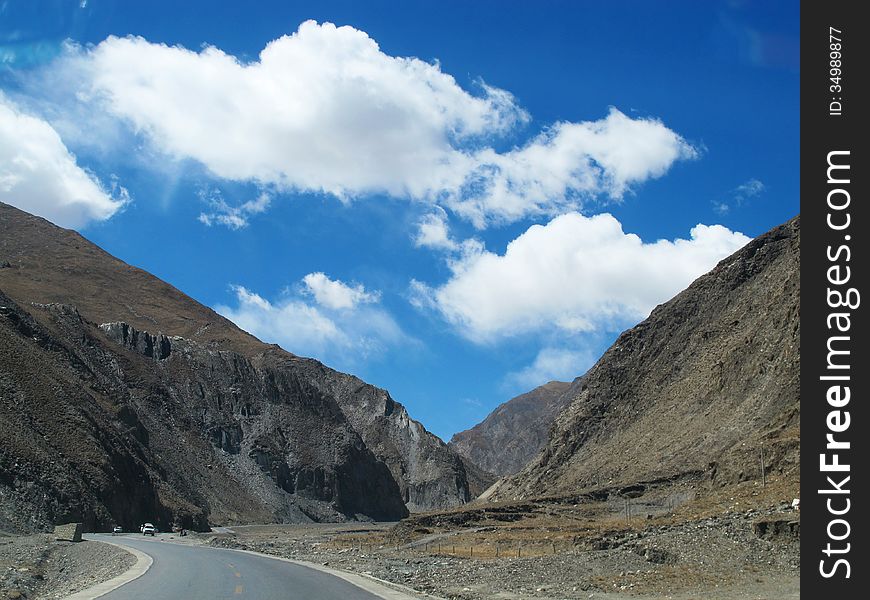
[[239, 589], [238, 574]]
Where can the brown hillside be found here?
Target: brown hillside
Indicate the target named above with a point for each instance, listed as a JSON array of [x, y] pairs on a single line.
[[695, 390]]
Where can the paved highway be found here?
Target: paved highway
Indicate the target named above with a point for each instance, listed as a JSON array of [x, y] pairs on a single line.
[[191, 572]]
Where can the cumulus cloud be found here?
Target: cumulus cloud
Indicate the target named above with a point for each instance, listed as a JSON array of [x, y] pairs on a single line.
[[574, 274], [335, 294], [342, 325], [325, 110], [40, 175], [551, 364], [433, 232], [561, 167]]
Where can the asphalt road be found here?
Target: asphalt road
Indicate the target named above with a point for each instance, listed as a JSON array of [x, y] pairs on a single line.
[[201, 573]]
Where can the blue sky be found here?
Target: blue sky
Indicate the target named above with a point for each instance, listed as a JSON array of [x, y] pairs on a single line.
[[455, 201]]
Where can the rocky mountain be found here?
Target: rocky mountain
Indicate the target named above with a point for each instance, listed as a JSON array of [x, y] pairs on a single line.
[[514, 432], [428, 473], [122, 400], [694, 391]]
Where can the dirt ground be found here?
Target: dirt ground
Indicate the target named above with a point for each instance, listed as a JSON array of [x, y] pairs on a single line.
[[738, 543], [39, 566]]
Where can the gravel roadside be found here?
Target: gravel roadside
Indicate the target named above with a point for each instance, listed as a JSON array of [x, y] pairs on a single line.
[[40, 567], [719, 558]]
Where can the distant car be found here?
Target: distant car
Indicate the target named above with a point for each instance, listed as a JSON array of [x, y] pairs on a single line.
[[117, 529], [149, 529]]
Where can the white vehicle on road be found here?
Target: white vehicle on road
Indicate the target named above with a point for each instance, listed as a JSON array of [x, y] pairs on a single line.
[[149, 529]]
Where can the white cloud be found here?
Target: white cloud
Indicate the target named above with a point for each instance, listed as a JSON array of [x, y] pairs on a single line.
[[751, 188], [551, 364], [325, 110], [335, 294], [433, 232], [327, 329], [740, 196], [234, 217], [40, 175], [289, 322], [568, 163], [575, 274]]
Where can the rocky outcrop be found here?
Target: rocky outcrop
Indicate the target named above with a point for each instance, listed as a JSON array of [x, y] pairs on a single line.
[[157, 346], [122, 401], [514, 432], [695, 390], [428, 473]]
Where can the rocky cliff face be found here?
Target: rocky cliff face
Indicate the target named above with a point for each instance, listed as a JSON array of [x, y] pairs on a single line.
[[693, 391], [112, 425], [514, 432], [429, 475], [122, 400]]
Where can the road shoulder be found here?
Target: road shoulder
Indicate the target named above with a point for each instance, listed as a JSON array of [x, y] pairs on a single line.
[[379, 587], [143, 563]]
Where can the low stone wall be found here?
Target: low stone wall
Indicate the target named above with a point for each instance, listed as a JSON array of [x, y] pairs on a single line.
[[71, 532]]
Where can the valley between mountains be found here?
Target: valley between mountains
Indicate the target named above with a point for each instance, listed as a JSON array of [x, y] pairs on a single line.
[[670, 466]]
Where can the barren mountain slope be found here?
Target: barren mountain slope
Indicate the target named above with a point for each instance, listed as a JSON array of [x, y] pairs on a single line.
[[112, 425], [48, 264], [695, 389], [515, 431]]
